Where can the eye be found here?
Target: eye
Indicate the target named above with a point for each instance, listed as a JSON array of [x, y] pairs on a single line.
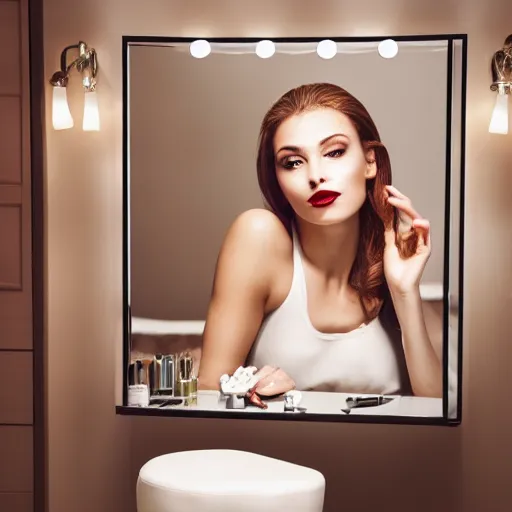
[[336, 153], [291, 164]]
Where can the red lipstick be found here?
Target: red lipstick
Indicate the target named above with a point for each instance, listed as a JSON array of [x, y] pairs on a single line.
[[323, 198]]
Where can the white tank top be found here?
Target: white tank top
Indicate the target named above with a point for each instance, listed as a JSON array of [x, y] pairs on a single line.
[[365, 360]]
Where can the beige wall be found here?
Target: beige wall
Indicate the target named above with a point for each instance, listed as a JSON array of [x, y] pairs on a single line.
[[94, 456]]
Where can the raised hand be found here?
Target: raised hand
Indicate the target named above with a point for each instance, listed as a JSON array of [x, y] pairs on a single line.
[[403, 272]]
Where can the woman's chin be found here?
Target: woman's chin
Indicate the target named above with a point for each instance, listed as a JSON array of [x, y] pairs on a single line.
[[333, 214], [326, 218]]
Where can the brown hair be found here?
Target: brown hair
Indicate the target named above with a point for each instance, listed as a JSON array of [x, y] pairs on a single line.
[[367, 273]]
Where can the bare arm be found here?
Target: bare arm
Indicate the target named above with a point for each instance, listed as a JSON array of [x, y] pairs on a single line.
[[433, 315], [403, 275], [241, 288], [423, 353]]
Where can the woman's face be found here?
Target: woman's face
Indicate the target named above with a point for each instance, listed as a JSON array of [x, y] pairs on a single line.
[[321, 166]]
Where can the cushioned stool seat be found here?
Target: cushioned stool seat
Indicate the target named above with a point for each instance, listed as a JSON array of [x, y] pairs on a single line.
[[227, 481]]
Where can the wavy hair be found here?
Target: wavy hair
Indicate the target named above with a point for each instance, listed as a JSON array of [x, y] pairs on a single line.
[[367, 273]]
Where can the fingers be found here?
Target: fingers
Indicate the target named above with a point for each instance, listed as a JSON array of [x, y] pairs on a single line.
[[396, 198], [406, 213], [404, 206], [275, 383], [395, 192], [266, 370], [266, 375], [422, 227], [409, 218], [421, 224]]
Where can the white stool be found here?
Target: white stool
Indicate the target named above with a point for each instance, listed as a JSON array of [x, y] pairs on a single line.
[[227, 481]]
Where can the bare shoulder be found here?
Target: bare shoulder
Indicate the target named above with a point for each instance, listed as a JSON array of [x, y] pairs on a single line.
[[256, 254], [262, 231]]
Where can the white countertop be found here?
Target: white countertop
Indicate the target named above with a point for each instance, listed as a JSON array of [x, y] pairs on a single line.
[[327, 403]]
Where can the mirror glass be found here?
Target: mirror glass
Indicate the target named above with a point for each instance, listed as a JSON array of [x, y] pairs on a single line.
[[297, 215]]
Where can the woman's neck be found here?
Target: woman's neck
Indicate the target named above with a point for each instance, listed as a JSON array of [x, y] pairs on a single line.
[[330, 249]]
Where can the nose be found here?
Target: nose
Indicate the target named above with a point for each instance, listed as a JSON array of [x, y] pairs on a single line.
[[315, 176], [314, 182]]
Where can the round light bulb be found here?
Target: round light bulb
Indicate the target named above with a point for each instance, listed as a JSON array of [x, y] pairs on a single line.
[[326, 49], [388, 49], [200, 49], [265, 49]]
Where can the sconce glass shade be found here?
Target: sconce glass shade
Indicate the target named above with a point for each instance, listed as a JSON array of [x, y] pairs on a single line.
[[61, 116], [499, 119], [91, 120]]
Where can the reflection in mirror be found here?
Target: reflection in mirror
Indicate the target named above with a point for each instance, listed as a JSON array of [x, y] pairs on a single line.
[[294, 225]]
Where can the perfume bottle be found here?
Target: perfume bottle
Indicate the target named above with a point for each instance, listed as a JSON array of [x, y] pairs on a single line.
[[186, 381], [162, 375], [138, 383]]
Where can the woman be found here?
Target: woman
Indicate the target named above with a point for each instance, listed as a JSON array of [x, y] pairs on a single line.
[[324, 285]]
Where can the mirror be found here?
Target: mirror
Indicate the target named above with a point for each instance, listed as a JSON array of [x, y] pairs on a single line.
[[297, 215]]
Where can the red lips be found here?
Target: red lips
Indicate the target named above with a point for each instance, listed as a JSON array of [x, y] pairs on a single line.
[[323, 198]]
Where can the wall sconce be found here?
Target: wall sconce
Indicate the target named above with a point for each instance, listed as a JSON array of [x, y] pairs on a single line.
[[87, 64], [501, 68]]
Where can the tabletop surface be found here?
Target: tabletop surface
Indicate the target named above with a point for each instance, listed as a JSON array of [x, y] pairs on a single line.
[[316, 402]]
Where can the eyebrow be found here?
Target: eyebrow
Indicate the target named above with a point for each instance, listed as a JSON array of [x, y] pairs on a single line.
[[322, 143]]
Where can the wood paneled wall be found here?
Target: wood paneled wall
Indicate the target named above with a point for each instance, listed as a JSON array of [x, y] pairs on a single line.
[[16, 290]]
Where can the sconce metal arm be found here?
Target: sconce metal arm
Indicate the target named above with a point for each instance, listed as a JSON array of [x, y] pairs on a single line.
[[501, 68], [86, 63]]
